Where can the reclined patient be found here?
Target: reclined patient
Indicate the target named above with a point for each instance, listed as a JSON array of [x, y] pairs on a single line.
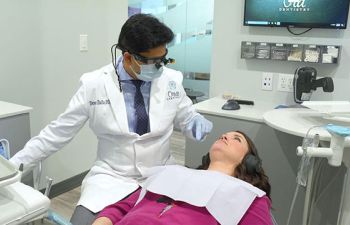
[[230, 187]]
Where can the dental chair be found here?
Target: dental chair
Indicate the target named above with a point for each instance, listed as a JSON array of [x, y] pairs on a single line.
[[19, 203]]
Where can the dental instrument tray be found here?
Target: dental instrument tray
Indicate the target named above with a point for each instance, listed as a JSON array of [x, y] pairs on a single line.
[[8, 173]]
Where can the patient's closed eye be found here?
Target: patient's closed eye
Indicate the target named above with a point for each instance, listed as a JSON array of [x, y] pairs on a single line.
[[237, 138]]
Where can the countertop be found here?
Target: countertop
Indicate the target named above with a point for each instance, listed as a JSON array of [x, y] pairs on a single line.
[[298, 121], [10, 109], [254, 112], [295, 121]]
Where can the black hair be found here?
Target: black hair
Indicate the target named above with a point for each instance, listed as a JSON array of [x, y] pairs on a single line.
[[142, 32], [258, 178]]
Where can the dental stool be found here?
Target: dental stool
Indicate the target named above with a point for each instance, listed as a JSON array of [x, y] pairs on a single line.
[[19, 203]]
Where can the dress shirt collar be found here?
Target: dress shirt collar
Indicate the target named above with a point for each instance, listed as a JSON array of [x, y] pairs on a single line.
[[123, 75]]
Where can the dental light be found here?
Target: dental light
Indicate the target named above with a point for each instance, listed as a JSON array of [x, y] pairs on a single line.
[[305, 83]]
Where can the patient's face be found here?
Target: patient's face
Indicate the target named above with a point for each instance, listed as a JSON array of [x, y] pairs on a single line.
[[230, 148]]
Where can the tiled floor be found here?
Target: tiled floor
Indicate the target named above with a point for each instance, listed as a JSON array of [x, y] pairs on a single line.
[[64, 204]]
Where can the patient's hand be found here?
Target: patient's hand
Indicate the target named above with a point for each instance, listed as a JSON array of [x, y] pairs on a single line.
[[103, 221]]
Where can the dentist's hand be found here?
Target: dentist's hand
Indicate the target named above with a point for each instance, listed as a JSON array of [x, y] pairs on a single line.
[[199, 127], [3, 153]]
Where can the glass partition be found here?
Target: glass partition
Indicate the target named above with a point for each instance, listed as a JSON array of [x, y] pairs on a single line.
[[192, 24]]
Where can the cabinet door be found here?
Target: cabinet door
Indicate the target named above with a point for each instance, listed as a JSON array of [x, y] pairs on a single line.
[[16, 129]]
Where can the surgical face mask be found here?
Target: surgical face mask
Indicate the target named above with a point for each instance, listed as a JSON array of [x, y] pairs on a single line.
[[148, 72]]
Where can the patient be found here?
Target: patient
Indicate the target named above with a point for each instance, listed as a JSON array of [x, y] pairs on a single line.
[[230, 187]]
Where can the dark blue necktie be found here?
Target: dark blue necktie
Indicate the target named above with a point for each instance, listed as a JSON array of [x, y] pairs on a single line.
[[140, 110]]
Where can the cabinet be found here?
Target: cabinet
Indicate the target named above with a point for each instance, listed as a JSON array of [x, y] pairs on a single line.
[[325, 54], [15, 127]]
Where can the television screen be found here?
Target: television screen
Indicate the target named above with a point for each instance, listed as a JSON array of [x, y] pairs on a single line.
[[297, 13]]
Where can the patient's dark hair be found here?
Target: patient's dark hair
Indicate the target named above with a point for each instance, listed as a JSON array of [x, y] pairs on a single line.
[[257, 179]]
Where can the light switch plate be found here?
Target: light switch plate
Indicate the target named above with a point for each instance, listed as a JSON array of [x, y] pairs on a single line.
[[83, 42]]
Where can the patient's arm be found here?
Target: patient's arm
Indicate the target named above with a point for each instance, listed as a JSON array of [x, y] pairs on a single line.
[[115, 212], [103, 221]]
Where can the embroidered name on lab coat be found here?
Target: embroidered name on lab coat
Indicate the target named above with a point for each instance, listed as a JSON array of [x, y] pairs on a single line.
[[100, 102], [172, 92]]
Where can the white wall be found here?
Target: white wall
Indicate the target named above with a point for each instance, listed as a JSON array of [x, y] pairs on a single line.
[[19, 53], [41, 64], [230, 73]]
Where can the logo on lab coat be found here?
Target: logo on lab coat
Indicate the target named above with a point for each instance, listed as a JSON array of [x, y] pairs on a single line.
[[100, 102], [172, 92], [172, 85]]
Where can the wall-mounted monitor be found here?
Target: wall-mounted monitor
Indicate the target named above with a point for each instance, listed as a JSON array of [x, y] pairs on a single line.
[[297, 13]]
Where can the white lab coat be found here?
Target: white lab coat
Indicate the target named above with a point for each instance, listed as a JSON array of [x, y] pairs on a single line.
[[122, 156]]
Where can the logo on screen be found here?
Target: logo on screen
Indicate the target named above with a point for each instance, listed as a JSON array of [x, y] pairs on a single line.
[[294, 6]]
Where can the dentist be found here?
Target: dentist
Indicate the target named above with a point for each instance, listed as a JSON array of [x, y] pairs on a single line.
[[132, 106]]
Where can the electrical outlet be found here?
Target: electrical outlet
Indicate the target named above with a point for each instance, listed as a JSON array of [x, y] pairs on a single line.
[[267, 81], [285, 82]]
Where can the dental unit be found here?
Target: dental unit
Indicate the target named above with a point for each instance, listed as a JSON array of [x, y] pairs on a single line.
[[334, 153], [310, 149]]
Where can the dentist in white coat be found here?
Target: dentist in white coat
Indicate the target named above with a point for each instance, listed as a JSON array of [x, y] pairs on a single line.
[[109, 100]]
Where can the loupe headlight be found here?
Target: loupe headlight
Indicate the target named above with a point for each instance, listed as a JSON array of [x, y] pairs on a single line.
[[164, 62], [158, 62]]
